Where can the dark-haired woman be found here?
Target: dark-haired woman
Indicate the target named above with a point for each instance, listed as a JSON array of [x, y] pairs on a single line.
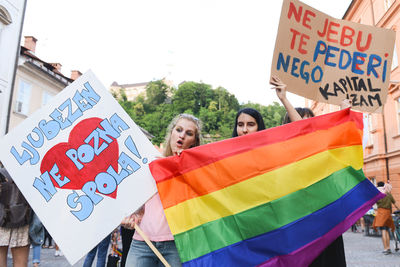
[[304, 113], [249, 120], [333, 255]]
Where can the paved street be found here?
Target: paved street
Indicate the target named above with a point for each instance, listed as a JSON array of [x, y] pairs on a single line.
[[49, 260], [366, 251], [361, 251]]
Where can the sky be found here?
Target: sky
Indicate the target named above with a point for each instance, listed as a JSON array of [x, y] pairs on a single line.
[[228, 43]]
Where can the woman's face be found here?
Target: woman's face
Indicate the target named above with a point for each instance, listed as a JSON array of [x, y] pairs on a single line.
[[183, 136], [246, 124]]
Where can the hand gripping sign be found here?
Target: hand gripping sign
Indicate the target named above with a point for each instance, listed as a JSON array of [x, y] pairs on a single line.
[[328, 59], [82, 164]]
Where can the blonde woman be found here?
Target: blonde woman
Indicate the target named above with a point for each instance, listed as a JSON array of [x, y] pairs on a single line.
[[183, 132]]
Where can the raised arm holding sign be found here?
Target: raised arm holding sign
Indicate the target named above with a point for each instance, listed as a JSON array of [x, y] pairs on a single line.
[[329, 60]]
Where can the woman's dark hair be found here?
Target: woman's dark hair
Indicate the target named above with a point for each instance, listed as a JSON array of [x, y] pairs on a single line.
[[252, 112], [302, 112], [380, 184]]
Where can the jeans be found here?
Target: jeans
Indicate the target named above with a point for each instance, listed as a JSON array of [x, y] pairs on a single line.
[[141, 255], [101, 249], [36, 253]]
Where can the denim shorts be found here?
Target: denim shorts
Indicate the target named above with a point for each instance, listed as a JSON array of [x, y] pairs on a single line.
[[141, 255]]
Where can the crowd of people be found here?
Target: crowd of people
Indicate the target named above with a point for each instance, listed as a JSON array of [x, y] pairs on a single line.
[[184, 132]]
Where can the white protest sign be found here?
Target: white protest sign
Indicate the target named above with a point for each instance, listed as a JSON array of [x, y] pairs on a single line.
[[82, 164]]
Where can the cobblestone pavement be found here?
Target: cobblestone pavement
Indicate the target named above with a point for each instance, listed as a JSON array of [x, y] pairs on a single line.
[[49, 260], [366, 251], [361, 251]]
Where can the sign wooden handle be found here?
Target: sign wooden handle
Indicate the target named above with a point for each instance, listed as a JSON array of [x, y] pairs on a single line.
[[153, 248]]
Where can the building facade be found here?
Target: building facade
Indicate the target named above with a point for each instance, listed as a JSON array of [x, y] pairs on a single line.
[[11, 21], [382, 151], [36, 82], [133, 90]]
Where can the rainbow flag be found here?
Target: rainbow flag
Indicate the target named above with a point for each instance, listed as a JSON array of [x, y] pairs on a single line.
[[277, 197]]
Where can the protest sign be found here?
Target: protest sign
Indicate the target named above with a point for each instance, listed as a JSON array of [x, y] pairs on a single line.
[[82, 164], [328, 60]]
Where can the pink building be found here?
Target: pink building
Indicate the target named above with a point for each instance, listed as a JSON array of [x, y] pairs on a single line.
[[382, 153]]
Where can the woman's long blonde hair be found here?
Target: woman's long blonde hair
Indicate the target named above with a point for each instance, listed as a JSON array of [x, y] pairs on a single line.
[[198, 138]]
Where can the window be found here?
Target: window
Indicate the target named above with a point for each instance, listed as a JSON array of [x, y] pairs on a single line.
[[46, 97], [395, 61], [368, 131], [398, 115], [5, 18], [371, 131], [387, 3], [23, 98]]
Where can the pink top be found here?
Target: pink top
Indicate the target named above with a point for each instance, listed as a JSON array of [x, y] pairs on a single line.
[[154, 224]]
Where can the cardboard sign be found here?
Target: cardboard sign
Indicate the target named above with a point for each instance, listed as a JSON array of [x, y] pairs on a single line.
[[82, 164], [328, 60]]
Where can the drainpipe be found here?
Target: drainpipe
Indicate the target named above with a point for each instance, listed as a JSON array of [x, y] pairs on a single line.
[[386, 148], [372, 11], [383, 108], [384, 133]]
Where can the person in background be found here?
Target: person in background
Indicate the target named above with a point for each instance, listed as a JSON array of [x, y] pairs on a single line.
[[183, 132], [354, 227], [48, 238], [14, 235], [101, 249], [362, 224], [36, 235], [304, 113], [383, 219], [57, 252], [115, 253], [126, 236]]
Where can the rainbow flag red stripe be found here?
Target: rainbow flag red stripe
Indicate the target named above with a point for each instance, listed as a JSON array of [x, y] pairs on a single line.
[[275, 197]]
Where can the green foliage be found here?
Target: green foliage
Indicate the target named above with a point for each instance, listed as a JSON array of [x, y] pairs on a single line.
[[192, 96], [156, 92], [216, 108]]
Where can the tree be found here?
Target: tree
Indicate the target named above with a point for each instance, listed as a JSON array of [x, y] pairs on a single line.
[[184, 98], [226, 101], [216, 108], [156, 92], [138, 109]]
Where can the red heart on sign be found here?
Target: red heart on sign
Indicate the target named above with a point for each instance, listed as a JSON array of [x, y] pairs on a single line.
[[67, 168]]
